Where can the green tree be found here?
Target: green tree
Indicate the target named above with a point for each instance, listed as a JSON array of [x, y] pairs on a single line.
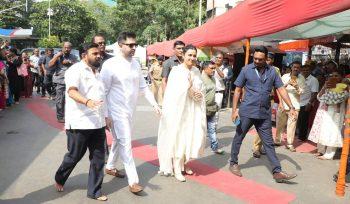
[[14, 17], [156, 20], [70, 20], [49, 42], [103, 15]]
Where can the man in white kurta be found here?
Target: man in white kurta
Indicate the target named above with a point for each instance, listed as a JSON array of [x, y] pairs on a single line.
[[123, 82]]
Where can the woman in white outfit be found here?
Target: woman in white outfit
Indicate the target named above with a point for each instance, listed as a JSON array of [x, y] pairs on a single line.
[[326, 130], [182, 128]]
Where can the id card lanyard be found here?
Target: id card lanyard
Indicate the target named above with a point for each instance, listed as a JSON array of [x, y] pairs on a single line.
[[257, 73]]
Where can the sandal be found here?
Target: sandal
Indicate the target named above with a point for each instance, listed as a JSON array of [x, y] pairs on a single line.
[[180, 177], [322, 158], [318, 154], [59, 187], [102, 198], [188, 171]]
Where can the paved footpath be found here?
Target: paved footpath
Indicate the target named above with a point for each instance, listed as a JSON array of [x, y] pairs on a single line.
[[32, 145]]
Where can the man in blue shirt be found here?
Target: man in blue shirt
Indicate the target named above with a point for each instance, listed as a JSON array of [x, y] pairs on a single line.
[[258, 79]]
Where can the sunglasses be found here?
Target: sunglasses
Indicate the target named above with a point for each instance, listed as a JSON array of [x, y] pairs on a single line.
[[101, 43], [131, 45]]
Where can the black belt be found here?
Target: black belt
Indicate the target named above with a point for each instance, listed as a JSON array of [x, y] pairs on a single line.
[[220, 91]]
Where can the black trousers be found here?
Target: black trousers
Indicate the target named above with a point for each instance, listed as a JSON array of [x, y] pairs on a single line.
[[78, 142], [60, 100], [303, 123], [16, 86], [49, 85]]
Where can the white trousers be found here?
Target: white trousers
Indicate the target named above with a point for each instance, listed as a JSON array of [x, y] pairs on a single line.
[[328, 152], [218, 101], [121, 146]]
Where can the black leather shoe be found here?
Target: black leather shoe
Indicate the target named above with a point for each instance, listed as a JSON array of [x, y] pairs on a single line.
[[235, 170], [281, 177]]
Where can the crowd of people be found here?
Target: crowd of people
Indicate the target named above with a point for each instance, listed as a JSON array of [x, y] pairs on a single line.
[[100, 92], [21, 74]]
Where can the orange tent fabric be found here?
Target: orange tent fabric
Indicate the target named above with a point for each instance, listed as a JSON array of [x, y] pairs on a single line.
[[298, 45]]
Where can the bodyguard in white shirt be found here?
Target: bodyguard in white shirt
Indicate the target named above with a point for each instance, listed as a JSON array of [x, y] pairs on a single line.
[[220, 75], [85, 121], [123, 81], [307, 99]]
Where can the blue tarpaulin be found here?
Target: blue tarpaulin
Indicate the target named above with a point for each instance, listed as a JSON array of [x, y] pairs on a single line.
[[6, 32]]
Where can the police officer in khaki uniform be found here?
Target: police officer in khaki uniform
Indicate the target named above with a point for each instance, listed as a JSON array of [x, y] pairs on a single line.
[[156, 78]]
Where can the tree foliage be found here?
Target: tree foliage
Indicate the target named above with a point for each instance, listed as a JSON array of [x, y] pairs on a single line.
[[77, 21], [49, 42], [16, 17], [103, 15], [155, 20], [70, 20]]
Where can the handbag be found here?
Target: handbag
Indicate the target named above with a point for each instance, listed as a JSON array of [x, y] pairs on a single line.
[[212, 109]]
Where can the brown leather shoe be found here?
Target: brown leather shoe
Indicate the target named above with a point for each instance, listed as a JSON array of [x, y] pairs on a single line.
[[235, 170], [135, 188], [281, 177], [114, 172]]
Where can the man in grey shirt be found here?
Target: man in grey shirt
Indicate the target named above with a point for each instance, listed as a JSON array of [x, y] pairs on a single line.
[[61, 62], [48, 72], [172, 61]]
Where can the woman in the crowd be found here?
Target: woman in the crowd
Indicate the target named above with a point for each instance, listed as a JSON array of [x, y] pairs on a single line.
[[326, 130], [182, 128], [3, 85], [14, 76], [27, 76]]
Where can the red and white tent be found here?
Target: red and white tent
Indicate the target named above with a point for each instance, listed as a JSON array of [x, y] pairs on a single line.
[[255, 18]]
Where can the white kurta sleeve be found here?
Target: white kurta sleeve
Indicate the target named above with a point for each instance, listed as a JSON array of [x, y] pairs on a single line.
[[144, 89], [106, 78]]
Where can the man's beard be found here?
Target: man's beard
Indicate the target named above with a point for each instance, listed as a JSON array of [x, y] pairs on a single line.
[[95, 64]]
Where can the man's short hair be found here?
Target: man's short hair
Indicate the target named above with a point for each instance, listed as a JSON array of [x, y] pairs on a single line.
[[49, 49], [97, 35], [306, 66], [69, 43], [86, 47], [178, 42], [206, 64], [262, 49], [124, 35], [42, 52], [295, 62]]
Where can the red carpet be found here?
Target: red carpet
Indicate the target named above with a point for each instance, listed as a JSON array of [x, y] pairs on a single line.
[[223, 181]]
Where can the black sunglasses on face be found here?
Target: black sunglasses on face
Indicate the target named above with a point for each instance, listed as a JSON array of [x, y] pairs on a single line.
[[131, 45]]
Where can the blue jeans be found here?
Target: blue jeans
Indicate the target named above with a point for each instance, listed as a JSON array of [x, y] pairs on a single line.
[[214, 144], [264, 128]]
